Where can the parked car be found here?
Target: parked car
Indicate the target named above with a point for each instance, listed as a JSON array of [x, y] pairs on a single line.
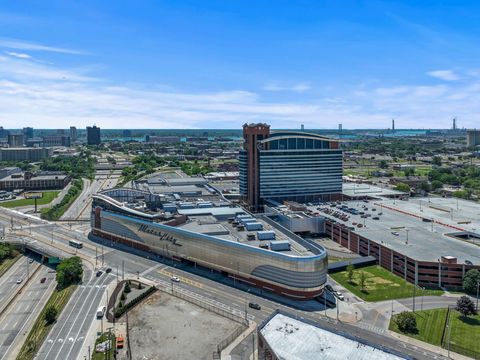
[[254, 306], [42, 280], [395, 233], [339, 295], [108, 270], [30, 261], [175, 279], [99, 273], [329, 288], [468, 262]]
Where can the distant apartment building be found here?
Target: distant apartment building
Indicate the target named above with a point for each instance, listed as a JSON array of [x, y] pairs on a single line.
[[162, 139], [288, 165], [24, 154], [28, 133], [30, 181], [127, 133], [56, 140], [15, 140], [473, 137], [73, 134], [93, 135], [3, 133]]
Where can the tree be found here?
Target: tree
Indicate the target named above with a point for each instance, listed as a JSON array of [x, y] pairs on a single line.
[[402, 187], [436, 184], [437, 160], [383, 164], [409, 172], [363, 280], [127, 288], [406, 322], [69, 271], [50, 314], [470, 280], [465, 306], [350, 272]]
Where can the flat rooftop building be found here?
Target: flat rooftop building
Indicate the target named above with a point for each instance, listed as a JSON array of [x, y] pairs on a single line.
[[223, 238], [282, 336], [432, 242]]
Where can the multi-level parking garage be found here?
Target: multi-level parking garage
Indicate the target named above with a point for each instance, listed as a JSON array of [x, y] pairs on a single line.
[[213, 234], [431, 242]]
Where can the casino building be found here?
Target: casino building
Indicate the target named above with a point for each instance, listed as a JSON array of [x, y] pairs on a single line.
[[221, 237], [288, 165]]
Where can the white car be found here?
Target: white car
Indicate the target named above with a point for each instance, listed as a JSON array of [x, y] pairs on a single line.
[[175, 279], [19, 281]]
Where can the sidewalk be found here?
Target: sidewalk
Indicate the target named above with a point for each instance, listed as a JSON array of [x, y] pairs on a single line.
[[226, 353], [427, 346]]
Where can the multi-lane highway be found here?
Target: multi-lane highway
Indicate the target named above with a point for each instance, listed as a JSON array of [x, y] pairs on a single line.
[[80, 209], [24, 309], [66, 338]]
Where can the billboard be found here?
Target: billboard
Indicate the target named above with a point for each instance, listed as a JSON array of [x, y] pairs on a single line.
[[33, 195]]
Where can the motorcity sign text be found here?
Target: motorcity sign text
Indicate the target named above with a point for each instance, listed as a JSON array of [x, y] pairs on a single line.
[[161, 235]]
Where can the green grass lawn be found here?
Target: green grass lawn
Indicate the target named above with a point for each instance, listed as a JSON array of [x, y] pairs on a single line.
[[430, 325], [464, 336], [47, 198], [7, 263], [40, 328], [380, 285]]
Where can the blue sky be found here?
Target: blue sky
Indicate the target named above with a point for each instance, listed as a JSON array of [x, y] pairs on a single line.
[[219, 64]]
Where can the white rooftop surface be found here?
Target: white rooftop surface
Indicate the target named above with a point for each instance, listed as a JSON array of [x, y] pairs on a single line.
[[294, 340], [356, 190]]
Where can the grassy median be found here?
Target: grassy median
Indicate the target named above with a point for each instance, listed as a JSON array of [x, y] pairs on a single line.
[[47, 198], [464, 335], [7, 263], [380, 284], [41, 328], [56, 211]]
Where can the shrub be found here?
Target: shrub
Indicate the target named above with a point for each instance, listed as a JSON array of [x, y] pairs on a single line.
[[50, 314], [406, 322], [127, 288], [465, 306]]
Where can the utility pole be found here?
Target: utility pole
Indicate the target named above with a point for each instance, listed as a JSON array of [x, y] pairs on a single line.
[[413, 298], [102, 256], [96, 257], [478, 285], [123, 269]]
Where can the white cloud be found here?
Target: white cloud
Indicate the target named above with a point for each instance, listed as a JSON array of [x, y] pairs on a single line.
[[47, 96], [31, 46], [300, 87], [446, 75], [18, 55]]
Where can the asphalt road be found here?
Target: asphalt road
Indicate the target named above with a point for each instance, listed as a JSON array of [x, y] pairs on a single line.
[[8, 282], [80, 209], [66, 338], [23, 312]]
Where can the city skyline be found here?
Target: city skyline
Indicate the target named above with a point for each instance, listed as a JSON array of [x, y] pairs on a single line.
[[218, 65]]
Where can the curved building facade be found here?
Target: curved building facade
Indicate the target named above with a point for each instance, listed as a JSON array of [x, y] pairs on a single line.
[[300, 277]]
